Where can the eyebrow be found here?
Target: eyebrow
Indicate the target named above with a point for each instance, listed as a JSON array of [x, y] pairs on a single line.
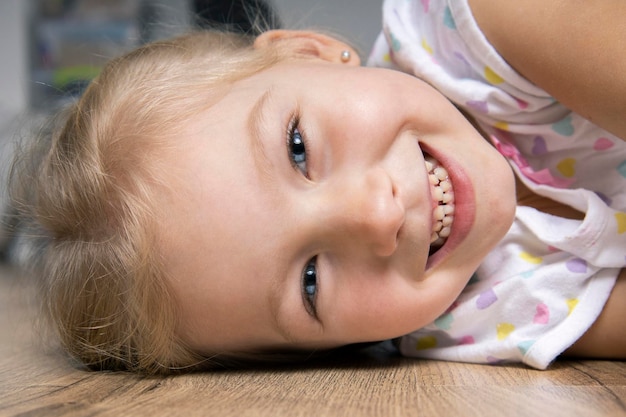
[[255, 126], [265, 168]]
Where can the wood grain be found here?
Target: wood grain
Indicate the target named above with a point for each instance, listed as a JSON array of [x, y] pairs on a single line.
[[37, 380]]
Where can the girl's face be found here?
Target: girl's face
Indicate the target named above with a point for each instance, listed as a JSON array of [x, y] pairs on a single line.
[[305, 211]]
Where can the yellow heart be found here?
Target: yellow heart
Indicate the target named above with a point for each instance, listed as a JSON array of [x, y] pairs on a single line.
[[621, 222], [504, 330], [530, 258], [567, 167], [501, 125], [426, 342], [571, 305], [426, 46], [492, 77]]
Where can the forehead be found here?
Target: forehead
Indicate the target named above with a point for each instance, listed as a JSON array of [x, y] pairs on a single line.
[[220, 230]]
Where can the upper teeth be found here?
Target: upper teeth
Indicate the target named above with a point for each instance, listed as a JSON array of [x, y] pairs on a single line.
[[443, 194]]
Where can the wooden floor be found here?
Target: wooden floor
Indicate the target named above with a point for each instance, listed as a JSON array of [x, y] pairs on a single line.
[[38, 381]]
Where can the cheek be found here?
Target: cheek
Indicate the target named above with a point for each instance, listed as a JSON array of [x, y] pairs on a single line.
[[357, 123], [378, 308]]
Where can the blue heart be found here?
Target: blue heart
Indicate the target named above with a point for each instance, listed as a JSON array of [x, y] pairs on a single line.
[[448, 20], [564, 127]]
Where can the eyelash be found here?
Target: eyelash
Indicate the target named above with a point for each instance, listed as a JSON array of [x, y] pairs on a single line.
[[295, 137], [309, 286], [309, 281]]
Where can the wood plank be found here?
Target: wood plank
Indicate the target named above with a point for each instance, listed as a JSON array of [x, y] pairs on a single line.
[[37, 380]]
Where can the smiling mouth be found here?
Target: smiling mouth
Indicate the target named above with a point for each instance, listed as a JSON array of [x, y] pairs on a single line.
[[443, 202]]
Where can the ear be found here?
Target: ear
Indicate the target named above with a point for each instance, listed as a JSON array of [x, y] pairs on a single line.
[[310, 44]]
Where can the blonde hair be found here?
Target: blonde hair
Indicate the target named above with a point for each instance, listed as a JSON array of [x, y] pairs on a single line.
[[92, 190]]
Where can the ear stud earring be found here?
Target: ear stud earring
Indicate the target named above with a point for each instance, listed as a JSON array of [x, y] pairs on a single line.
[[345, 56]]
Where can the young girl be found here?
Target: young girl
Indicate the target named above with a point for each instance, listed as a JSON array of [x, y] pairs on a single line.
[[218, 197]]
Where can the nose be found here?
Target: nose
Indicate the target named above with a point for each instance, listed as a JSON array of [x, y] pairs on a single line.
[[367, 212]]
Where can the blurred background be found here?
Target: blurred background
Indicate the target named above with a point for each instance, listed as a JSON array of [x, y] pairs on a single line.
[[51, 49]]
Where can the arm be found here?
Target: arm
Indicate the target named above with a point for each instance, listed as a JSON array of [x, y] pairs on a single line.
[[575, 50], [606, 338]]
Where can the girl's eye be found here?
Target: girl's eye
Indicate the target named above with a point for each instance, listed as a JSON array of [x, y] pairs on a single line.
[[296, 147], [309, 286]]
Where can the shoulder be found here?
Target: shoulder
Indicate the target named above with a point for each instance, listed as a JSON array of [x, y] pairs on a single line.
[[574, 50]]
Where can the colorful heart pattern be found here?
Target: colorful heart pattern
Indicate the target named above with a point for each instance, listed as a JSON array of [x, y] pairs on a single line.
[[567, 167], [603, 144], [539, 146], [543, 160], [426, 342], [448, 19], [504, 330], [620, 218], [542, 315], [571, 305], [621, 168], [576, 265], [444, 322], [524, 346], [564, 127], [486, 299], [531, 258], [492, 77]]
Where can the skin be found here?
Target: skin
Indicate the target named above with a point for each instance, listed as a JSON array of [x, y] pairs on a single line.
[[368, 288], [248, 223], [573, 50], [556, 45]]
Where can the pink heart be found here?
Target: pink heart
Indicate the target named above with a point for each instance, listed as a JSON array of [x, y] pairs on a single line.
[[452, 307], [603, 144], [426, 4], [466, 340], [542, 316], [522, 104]]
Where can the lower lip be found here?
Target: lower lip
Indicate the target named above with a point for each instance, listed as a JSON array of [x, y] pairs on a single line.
[[464, 207]]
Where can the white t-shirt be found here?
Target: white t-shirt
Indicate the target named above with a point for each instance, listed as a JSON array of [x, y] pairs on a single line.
[[544, 285]]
